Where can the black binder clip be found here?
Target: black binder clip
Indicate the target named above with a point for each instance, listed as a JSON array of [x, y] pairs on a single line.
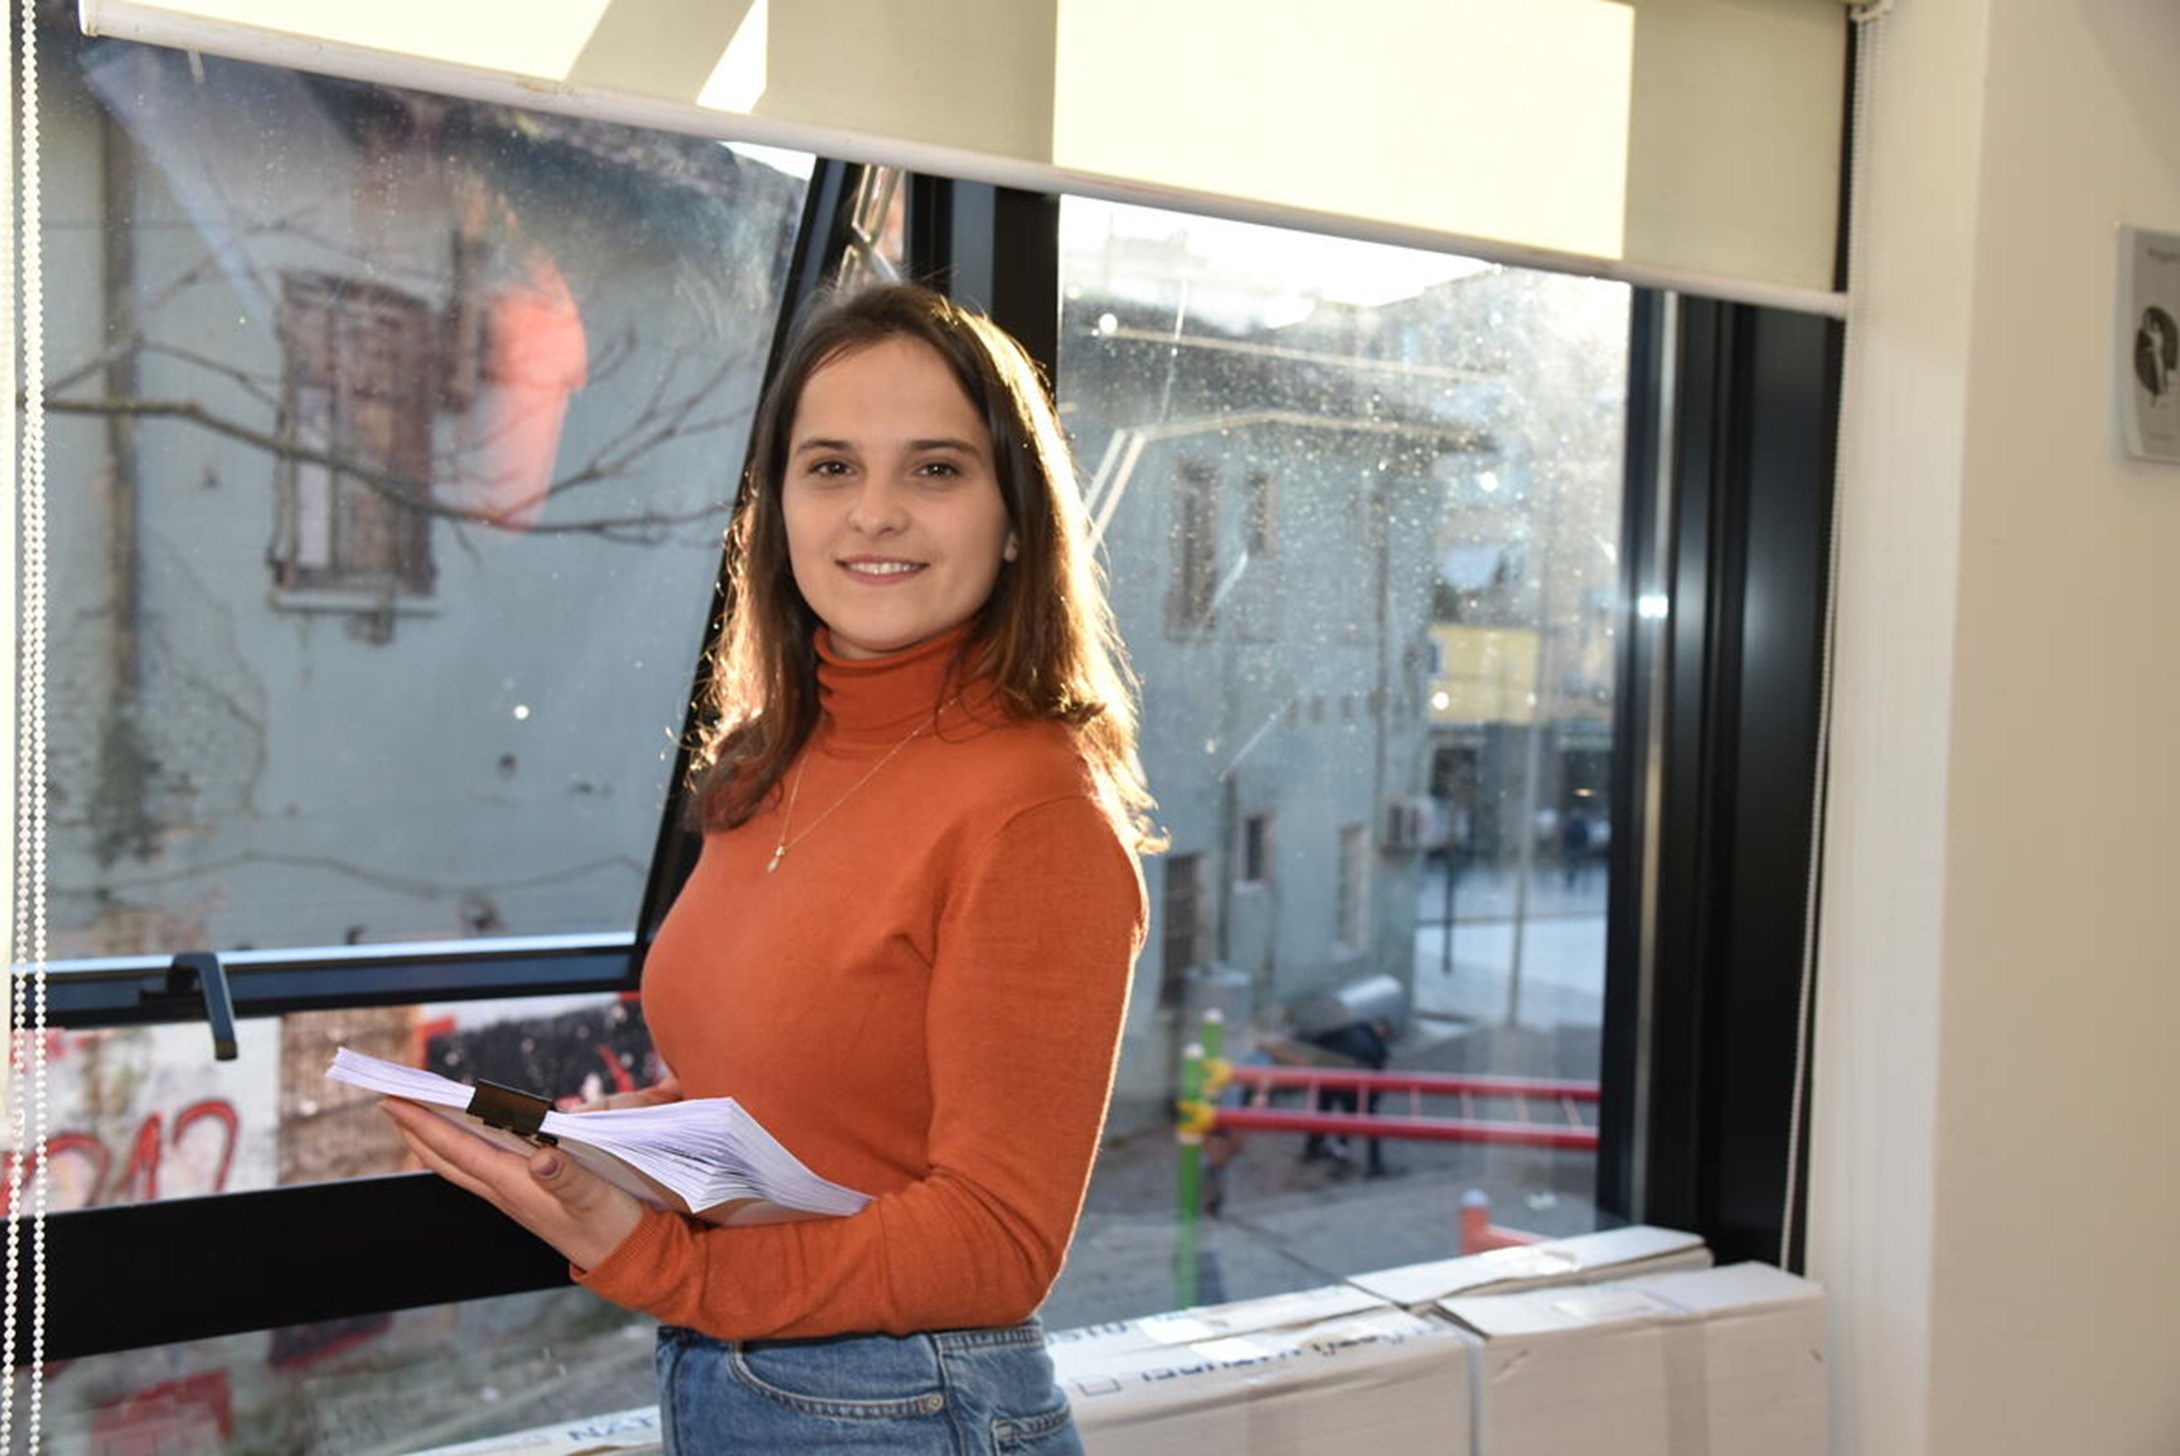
[[520, 1113]]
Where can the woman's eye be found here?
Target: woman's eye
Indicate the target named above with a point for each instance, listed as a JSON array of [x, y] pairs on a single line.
[[940, 468], [828, 467]]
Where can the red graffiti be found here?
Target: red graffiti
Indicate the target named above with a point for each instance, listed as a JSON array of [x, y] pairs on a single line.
[[139, 1178], [222, 1112], [194, 1413]]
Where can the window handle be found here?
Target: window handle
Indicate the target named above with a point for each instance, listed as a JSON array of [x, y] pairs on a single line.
[[198, 976]]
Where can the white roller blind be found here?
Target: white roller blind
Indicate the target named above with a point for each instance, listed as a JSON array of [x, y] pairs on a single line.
[[1691, 141]]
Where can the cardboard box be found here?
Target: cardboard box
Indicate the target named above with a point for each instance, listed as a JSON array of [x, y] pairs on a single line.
[[1622, 1253], [1247, 1316], [1723, 1362], [1250, 1377]]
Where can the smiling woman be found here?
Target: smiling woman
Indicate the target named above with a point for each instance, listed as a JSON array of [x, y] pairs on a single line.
[[895, 527]]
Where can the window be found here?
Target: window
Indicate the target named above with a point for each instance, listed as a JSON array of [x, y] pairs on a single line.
[[1195, 547], [1351, 777], [876, 232], [1351, 913], [430, 354], [220, 768], [1257, 600], [472, 384], [1256, 850], [356, 488], [1263, 514], [1181, 943]]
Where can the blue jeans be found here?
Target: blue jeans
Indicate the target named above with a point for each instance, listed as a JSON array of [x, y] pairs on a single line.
[[954, 1393]]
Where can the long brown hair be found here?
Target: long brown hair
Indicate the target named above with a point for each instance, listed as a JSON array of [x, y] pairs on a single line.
[[1044, 638]]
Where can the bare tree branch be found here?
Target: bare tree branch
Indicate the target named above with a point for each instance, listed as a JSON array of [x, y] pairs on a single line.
[[405, 491], [254, 385]]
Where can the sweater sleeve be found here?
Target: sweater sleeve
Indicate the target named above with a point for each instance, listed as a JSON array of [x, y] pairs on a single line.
[[1035, 951]]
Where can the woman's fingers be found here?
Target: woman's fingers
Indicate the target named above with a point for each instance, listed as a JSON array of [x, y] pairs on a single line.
[[433, 1163], [547, 1192]]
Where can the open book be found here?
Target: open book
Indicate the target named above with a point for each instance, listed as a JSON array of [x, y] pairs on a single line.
[[703, 1155]]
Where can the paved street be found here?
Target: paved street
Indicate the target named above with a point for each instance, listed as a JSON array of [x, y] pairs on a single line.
[[1559, 954]]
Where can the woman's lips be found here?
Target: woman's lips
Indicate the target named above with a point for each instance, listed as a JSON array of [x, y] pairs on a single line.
[[880, 570]]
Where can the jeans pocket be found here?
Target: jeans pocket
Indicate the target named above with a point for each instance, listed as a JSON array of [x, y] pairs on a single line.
[[869, 1377], [1048, 1433]]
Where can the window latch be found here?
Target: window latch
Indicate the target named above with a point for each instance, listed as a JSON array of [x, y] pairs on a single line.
[[197, 978]]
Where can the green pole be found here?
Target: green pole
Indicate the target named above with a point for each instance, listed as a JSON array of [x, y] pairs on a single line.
[[1189, 1133]]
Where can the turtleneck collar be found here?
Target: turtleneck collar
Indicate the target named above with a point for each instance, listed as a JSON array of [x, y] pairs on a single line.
[[877, 699]]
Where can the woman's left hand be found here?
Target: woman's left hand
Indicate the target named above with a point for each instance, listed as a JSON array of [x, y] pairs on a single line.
[[566, 1205]]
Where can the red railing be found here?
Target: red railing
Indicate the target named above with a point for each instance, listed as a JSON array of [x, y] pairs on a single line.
[[1566, 1130]]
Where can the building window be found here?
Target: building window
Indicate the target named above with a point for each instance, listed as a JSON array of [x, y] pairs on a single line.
[[356, 421], [1257, 594], [1182, 942], [1351, 911], [1256, 850], [1263, 514], [1195, 547]]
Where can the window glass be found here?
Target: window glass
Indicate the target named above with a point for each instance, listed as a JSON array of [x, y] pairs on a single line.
[[392, 438], [877, 230], [411, 1381], [142, 1113], [1360, 510]]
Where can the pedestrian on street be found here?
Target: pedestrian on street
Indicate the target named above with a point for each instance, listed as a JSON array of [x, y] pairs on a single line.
[[1367, 1044]]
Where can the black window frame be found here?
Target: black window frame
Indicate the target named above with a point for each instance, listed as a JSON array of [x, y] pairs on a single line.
[[1700, 983], [1728, 523]]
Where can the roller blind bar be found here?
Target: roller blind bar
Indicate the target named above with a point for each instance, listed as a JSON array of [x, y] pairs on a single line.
[[181, 31]]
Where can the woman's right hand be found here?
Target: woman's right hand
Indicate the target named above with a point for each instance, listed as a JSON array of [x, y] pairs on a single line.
[[668, 1090]]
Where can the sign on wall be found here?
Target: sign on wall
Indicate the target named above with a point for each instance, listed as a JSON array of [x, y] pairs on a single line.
[[2149, 343]]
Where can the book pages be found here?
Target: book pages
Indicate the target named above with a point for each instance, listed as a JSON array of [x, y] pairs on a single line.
[[704, 1156]]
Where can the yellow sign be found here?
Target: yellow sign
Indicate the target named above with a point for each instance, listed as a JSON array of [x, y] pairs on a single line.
[[1484, 674]]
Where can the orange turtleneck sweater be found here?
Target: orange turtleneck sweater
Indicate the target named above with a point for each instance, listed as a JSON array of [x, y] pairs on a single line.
[[923, 1002]]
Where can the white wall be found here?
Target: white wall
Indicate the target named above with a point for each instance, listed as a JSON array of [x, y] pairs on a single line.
[[1995, 1186]]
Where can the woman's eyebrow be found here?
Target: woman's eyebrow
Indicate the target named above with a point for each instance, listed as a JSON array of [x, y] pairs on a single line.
[[804, 447], [966, 447]]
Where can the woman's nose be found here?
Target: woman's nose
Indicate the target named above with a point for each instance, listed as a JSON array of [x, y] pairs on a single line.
[[878, 508]]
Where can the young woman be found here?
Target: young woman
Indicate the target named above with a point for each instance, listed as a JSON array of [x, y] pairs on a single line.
[[907, 945]]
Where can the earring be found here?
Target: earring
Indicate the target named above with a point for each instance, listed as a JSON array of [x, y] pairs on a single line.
[[1011, 550]]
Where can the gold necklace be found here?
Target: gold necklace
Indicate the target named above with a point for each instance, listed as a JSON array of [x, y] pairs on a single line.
[[794, 790]]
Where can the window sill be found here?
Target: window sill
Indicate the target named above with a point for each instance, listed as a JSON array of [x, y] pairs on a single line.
[[351, 602]]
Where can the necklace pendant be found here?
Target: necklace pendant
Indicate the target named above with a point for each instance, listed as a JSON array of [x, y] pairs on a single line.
[[779, 853]]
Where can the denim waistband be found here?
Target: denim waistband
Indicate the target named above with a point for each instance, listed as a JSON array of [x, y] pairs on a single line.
[[1029, 1332]]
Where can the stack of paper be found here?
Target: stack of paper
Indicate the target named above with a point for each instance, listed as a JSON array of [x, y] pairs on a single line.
[[698, 1155]]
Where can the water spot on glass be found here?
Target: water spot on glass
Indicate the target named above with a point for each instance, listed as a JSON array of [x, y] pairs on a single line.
[[522, 712]]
